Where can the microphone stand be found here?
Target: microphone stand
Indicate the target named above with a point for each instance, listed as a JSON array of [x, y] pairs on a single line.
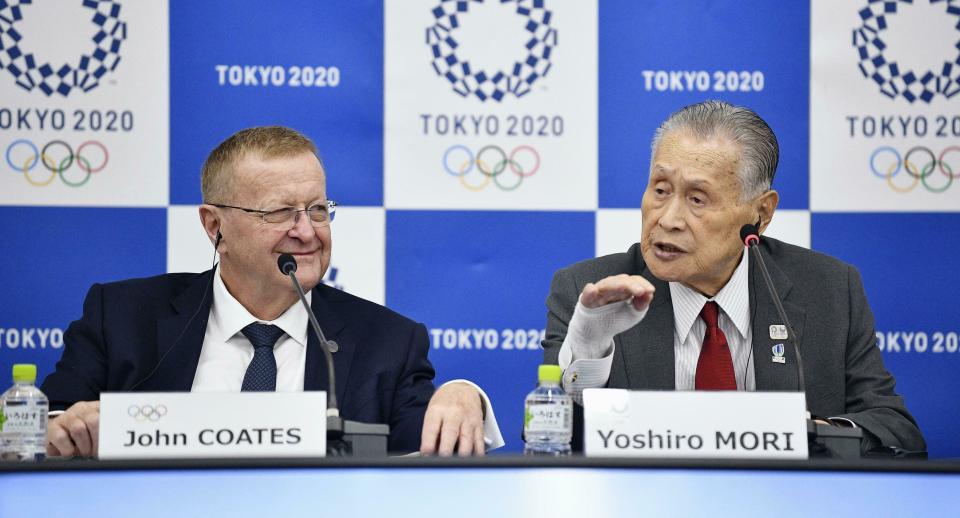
[[824, 440], [752, 241], [345, 438]]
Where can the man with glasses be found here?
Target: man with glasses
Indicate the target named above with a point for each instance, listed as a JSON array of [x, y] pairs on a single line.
[[240, 326]]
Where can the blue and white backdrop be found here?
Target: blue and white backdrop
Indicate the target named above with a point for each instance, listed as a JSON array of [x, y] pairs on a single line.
[[477, 146]]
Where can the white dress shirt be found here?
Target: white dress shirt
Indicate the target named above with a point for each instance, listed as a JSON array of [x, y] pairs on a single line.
[[226, 352], [688, 332]]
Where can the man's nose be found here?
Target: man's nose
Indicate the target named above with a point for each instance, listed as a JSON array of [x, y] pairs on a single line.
[[673, 215], [302, 227]]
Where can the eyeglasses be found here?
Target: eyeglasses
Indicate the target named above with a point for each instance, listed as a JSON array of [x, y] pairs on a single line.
[[320, 214]]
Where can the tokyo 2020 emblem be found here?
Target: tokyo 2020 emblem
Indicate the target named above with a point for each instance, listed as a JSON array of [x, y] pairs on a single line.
[[519, 73], [32, 71], [899, 79]]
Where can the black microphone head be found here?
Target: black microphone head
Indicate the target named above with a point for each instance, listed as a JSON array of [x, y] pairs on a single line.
[[287, 264], [750, 234]]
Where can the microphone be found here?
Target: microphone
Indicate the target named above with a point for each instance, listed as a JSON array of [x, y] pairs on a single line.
[[343, 437], [824, 440], [750, 235], [288, 267]]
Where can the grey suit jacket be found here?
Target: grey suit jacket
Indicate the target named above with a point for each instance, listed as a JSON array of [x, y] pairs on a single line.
[[825, 302]]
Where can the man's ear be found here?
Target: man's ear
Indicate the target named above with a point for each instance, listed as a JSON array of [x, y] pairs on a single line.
[[211, 221], [766, 205]]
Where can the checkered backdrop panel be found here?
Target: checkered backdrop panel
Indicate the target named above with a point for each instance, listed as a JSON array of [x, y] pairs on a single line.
[[475, 147]]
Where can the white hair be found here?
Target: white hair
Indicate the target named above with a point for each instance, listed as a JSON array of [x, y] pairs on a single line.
[[759, 151]]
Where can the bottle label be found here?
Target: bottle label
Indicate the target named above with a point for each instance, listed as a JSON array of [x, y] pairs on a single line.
[[548, 418], [21, 419]]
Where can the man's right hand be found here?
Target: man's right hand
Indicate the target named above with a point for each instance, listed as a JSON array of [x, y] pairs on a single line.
[[617, 288], [605, 309], [75, 432]]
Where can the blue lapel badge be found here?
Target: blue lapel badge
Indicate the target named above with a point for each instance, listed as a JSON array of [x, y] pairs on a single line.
[[778, 351]]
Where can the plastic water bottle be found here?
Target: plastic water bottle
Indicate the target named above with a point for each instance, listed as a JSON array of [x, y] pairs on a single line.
[[548, 416], [23, 417]]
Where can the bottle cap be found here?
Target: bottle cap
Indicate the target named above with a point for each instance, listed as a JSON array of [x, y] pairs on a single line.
[[24, 373], [549, 373]]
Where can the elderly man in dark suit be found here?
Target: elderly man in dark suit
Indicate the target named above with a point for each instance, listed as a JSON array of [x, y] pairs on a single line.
[[686, 309], [240, 325]]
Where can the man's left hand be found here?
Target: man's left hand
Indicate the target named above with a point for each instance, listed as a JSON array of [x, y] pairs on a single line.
[[453, 422]]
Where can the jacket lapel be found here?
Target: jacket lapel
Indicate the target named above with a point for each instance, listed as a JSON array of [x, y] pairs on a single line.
[[180, 337], [771, 375], [647, 348], [326, 306]]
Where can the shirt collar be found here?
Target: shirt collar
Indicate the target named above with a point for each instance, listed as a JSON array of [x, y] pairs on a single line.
[[228, 316], [733, 299]]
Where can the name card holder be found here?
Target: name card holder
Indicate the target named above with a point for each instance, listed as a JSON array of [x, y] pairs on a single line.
[[143, 425], [694, 424]]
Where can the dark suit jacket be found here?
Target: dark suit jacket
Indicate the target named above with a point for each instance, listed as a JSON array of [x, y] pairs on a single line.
[[383, 375], [826, 305]]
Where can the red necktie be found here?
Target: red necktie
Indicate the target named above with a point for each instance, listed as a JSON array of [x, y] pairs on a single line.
[[715, 367]]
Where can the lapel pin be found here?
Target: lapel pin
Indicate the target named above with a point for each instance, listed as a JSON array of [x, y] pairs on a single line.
[[778, 332], [778, 350]]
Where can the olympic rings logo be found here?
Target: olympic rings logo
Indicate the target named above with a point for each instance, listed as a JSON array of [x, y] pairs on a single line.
[[57, 157], [492, 163], [147, 412], [886, 163]]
